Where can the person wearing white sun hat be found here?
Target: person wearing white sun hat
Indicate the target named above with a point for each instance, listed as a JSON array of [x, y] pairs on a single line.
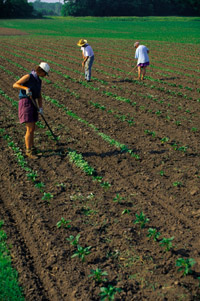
[[88, 58], [30, 91]]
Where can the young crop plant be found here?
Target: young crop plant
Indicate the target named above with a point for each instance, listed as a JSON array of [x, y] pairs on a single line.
[[152, 232], [167, 243], [151, 133], [141, 219], [177, 184], [80, 162], [73, 240], [126, 211], [108, 293], [164, 139], [40, 186], [82, 252], [63, 223], [105, 185], [162, 173], [118, 199], [47, 197], [98, 275], [9, 288], [32, 176], [185, 265]]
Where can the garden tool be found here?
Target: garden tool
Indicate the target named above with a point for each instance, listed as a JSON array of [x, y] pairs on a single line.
[[132, 70], [36, 106]]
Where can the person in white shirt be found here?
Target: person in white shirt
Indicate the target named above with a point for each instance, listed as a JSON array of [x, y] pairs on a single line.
[[88, 58], [141, 54]]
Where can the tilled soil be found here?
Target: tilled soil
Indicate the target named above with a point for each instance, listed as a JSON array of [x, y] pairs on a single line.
[[157, 173]]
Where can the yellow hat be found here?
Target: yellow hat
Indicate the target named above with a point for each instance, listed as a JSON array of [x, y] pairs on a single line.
[[81, 42]]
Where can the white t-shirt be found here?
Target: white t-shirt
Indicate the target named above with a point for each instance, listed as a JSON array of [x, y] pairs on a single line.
[[141, 54], [87, 50]]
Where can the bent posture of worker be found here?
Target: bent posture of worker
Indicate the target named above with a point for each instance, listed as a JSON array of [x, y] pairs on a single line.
[[88, 58], [141, 54], [30, 91]]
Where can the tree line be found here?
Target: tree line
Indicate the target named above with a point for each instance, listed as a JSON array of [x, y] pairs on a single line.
[[45, 8], [22, 9], [131, 8], [17, 9]]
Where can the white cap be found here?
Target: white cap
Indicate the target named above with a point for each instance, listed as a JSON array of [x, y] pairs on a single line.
[[136, 44], [45, 67]]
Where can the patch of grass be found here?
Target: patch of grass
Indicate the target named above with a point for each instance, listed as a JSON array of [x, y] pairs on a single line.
[[9, 288], [169, 29]]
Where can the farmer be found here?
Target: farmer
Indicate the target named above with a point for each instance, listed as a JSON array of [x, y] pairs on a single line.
[[141, 54], [30, 90], [88, 57]]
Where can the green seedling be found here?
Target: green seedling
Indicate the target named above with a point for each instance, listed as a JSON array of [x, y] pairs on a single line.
[[32, 176], [177, 184], [63, 223], [141, 220], [73, 240], [97, 178], [194, 129], [105, 185], [162, 173], [47, 196], [108, 293], [82, 252], [98, 275], [185, 265], [40, 185], [1, 223], [118, 199], [164, 139], [167, 243], [62, 185], [126, 211], [153, 233]]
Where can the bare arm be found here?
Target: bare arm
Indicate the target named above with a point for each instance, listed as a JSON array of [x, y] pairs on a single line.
[[21, 83]]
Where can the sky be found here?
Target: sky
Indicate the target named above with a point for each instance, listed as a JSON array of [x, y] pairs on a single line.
[[50, 1]]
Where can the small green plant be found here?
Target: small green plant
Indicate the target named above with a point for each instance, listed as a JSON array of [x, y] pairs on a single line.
[[73, 240], [164, 139], [153, 233], [40, 185], [82, 252], [47, 196], [126, 211], [185, 265], [167, 243], [32, 176], [177, 184], [108, 293], [118, 198], [141, 219], [98, 275], [162, 173], [63, 223], [105, 185]]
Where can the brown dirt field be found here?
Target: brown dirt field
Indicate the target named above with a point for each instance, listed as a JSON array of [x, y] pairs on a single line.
[[11, 32], [157, 119]]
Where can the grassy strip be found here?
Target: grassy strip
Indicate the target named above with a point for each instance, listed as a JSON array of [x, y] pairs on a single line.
[[170, 29], [9, 287]]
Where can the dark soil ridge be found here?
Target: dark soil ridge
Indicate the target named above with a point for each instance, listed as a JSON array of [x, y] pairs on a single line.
[[118, 246]]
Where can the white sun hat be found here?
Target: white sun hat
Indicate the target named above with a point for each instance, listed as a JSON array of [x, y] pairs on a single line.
[[45, 67]]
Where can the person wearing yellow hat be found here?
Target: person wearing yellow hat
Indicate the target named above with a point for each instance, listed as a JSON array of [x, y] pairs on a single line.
[[88, 58], [141, 54], [30, 90]]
